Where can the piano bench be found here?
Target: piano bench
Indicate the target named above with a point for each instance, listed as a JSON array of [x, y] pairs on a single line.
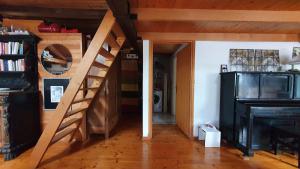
[[287, 136]]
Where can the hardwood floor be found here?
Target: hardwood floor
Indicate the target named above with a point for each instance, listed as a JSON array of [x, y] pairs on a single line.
[[169, 149]]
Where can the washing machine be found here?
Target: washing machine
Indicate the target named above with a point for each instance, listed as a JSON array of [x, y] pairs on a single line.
[[157, 100]]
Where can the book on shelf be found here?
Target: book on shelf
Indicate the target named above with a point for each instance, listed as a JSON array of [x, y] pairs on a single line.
[[11, 48], [12, 65]]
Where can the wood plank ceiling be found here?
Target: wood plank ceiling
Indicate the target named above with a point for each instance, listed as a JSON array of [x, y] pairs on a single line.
[[165, 49], [73, 4], [217, 26], [276, 5]]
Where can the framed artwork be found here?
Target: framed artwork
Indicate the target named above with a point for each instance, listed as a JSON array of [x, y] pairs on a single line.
[[56, 92], [268, 60], [54, 89], [254, 60], [241, 59], [296, 52]]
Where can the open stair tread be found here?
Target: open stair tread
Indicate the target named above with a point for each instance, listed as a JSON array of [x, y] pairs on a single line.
[[100, 65], [82, 100], [117, 30], [106, 54], [89, 88], [62, 134], [112, 41], [68, 123], [74, 111], [95, 77]]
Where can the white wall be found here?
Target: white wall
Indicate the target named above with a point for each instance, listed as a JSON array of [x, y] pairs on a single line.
[[209, 56], [146, 72]]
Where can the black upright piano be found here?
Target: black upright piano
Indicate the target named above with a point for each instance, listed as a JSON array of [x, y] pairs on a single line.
[[251, 102]]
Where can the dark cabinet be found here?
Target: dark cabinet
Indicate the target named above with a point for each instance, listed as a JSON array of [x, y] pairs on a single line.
[[276, 86], [247, 86], [297, 87], [264, 85], [260, 99], [20, 121], [19, 103]]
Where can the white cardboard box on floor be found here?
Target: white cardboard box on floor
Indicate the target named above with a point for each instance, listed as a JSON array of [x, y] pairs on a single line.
[[210, 134]]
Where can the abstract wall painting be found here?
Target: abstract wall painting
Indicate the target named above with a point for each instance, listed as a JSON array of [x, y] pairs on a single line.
[[254, 60]]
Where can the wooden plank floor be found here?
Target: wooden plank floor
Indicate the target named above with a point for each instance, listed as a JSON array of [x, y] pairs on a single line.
[[169, 149]]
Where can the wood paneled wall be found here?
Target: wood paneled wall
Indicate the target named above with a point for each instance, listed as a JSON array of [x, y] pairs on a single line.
[[74, 42]]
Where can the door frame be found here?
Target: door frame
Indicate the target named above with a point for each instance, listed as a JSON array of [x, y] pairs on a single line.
[[150, 84]]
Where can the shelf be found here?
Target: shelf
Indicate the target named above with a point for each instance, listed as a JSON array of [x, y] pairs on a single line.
[[55, 60], [12, 72], [17, 38], [11, 56]]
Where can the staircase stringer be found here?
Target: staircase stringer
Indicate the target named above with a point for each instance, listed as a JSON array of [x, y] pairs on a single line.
[[72, 89]]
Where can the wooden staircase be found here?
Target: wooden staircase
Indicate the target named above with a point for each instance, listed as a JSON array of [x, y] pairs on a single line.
[[65, 121]]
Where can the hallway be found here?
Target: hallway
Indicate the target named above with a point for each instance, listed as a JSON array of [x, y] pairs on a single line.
[[163, 118], [169, 149]]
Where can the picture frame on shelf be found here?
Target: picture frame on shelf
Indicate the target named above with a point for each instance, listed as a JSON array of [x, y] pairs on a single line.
[[223, 68]]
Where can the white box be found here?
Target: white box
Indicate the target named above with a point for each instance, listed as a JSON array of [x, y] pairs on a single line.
[[210, 134]]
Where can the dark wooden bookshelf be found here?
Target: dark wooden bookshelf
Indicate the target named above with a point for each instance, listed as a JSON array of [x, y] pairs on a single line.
[[13, 72], [19, 103], [12, 56], [18, 38]]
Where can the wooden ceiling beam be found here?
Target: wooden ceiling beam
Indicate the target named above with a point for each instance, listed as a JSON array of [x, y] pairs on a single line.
[[275, 5], [41, 12], [179, 37], [165, 14], [121, 9]]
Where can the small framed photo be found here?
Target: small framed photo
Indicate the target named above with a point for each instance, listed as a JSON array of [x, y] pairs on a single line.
[[56, 92], [224, 68], [54, 89], [296, 52]]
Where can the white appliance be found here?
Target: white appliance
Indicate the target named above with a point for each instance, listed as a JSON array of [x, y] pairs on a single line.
[[157, 100]]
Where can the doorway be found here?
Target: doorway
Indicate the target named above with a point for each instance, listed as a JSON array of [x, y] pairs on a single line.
[[164, 83], [171, 93]]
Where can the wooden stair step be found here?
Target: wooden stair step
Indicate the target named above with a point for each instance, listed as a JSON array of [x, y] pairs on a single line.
[[89, 88], [112, 41], [95, 77], [82, 100], [117, 30], [106, 54], [100, 65], [62, 134], [68, 123], [75, 111]]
